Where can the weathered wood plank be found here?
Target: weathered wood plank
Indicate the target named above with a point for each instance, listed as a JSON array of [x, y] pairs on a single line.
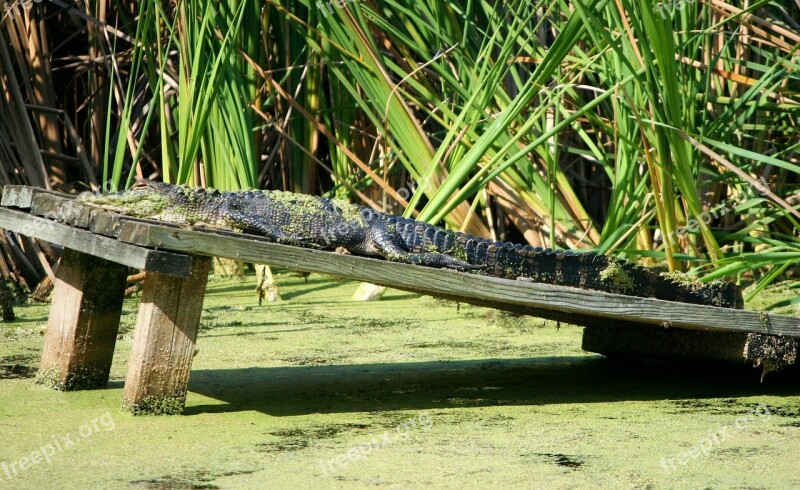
[[21, 196], [18, 196], [163, 344], [169, 263], [577, 305], [65, 209], [110, 224], [83, 323], [61, 208]]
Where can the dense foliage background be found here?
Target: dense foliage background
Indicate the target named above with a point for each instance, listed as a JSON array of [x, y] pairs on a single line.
[[663, 131]]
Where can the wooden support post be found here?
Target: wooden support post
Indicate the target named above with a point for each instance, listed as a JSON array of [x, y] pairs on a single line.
[[163, 345], [84, 321]]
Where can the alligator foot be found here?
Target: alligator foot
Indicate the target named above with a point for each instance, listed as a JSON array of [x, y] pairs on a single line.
[[432, 259]]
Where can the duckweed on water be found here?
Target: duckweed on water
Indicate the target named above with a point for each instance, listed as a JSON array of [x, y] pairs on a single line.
[[510, 405]]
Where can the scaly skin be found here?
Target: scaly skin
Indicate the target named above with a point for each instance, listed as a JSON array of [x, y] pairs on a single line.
[[316, 222], [563, 267]]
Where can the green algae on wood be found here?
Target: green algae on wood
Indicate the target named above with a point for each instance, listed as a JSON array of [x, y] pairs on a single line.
[[82, 379], [614, 273], [151, 405]]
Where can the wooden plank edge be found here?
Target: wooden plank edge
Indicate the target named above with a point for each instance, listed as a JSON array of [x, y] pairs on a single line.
[[520, 296], [18, 196], [65, 209], [164, 262], [21, 196], [60, 208]]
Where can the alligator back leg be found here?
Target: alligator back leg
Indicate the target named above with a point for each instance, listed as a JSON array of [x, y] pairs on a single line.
[[388, 243]]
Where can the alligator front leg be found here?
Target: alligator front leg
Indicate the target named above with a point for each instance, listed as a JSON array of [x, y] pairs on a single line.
[[246, 223]]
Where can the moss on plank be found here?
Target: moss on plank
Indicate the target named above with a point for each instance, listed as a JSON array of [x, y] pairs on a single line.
[[616, 275]]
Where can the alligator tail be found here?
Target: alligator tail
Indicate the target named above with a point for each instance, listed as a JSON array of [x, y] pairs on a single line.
[[566, 268]]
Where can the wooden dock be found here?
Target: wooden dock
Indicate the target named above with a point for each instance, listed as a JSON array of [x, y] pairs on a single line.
[[100, 246]]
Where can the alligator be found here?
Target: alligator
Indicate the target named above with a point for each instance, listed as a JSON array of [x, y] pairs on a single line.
[[334, 224]]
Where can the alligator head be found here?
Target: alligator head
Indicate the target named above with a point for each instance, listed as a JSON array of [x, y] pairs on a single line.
[[154, 200]]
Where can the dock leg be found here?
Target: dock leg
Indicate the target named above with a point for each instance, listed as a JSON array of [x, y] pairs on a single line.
[[84, 321], [163, 345]]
